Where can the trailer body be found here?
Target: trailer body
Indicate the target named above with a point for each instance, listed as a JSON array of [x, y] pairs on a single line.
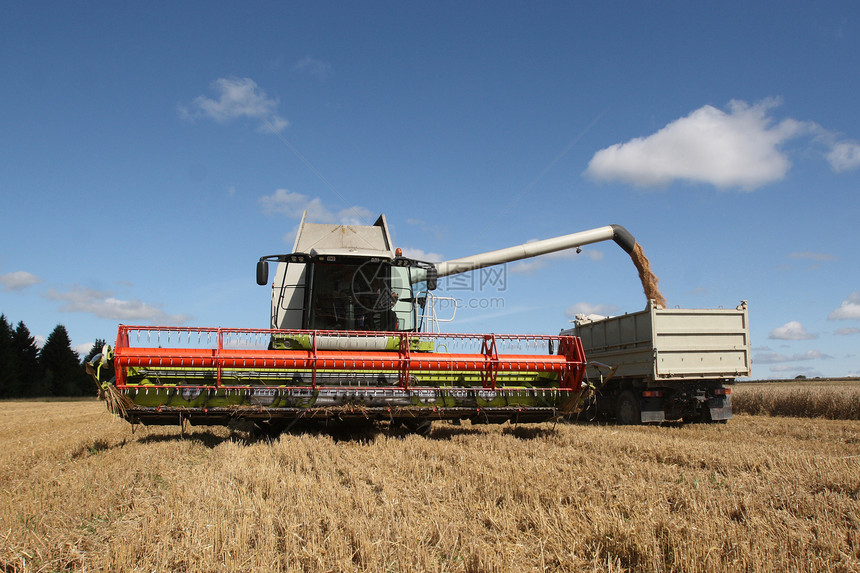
[[666, 363]]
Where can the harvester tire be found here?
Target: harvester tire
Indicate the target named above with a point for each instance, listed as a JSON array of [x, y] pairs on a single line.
[[627, 411], [420, 427]]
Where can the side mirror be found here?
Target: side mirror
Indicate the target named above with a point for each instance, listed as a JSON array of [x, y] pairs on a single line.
[[262, 273], [432, 278]]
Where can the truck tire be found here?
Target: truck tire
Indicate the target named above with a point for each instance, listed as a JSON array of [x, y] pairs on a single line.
[[627, 411]]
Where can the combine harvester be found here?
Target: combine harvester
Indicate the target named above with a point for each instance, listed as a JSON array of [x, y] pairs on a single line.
[[353, 337]]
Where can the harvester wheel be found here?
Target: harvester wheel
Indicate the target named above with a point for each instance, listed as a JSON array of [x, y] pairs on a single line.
[[417, 426], [268, 429], [627, 411]]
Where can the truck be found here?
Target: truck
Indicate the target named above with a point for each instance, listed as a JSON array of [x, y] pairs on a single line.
[[664, 364]]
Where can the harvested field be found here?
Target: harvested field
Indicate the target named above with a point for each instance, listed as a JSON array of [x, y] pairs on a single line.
[[79, 491]]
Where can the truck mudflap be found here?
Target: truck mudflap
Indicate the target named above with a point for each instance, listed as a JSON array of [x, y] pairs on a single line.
[[652, 407], [720, 408], [653, 416]]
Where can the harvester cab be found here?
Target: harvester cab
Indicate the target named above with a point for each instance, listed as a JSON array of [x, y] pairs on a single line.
[[348, 341], [347, 277]]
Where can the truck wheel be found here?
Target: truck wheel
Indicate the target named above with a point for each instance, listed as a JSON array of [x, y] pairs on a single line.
[[627, 410]]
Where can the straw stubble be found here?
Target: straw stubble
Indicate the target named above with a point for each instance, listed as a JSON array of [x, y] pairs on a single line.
[[79, 491]]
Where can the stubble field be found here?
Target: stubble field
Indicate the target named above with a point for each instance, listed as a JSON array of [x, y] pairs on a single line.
[[80, 491]]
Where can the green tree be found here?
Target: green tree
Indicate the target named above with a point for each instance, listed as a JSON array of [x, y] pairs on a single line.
[[10, 380], [29, 369], [63, 373]]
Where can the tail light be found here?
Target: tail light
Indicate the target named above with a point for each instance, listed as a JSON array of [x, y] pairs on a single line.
[[652, 393], [722, 391]]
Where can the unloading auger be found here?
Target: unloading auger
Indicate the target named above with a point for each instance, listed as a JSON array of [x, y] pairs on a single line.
[[349, 340]]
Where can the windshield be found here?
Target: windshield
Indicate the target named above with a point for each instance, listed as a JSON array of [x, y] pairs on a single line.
[[368, 295]]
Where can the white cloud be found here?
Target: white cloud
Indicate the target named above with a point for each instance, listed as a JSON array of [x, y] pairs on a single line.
[[421, 255], [811, 355], [793, 330], [104, 305], [354, 216], [849, 309], [527, 266], [586, 309], [237, 98], [848, 330], [293, 204], [83, 349], [820, 257], [777, 358], [796, 370], [816, 260], [735, 149], [738, 148], [314, 66], [769, 358], [844, 156], [19, 280]]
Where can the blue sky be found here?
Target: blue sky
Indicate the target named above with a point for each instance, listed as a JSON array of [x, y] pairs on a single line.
[[151, 153]]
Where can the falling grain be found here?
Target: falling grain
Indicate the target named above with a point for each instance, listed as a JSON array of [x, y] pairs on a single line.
[[648, 278]]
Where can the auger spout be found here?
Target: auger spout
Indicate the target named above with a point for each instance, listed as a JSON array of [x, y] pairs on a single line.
[[616, 233]]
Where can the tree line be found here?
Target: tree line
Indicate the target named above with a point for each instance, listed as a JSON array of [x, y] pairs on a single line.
[[27, 371]]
